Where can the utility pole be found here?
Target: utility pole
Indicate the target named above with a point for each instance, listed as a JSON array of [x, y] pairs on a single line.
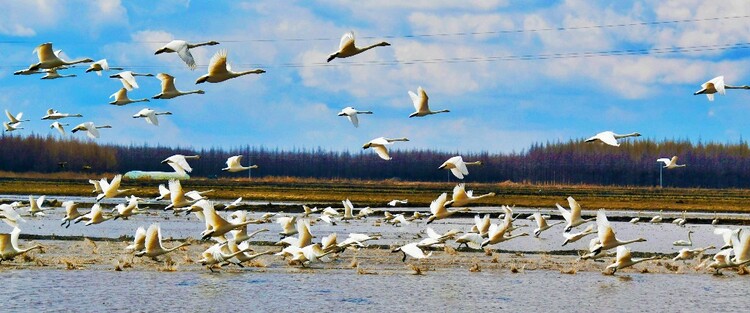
[[661, 168], [250, 170]]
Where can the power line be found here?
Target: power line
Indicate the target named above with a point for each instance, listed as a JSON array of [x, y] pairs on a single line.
[[454, 34]]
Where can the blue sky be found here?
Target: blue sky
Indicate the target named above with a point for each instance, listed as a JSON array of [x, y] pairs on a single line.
[[497, 106]]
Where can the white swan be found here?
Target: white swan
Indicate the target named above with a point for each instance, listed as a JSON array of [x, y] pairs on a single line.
[[379, 145], [71, 213], [457, 166], [9, 215], [153, 247], [656, 219], [636, 219], [168, 89], [351, 113], [570, 238], [177, 196], [214, 255], [91, 129], [127, 78], [287, 225], [36, 206], [606, 234], [11, 127], [573, 217], [439, 211], [49, 59], [496, 233], [413, 250], [670, 163], [100, 66], [541, 224], [742, 248], [179, 162], [55, 115], [53, 74], [139, 240], [347, 47], [462, 197], [182, 48], [125, 211], [150, 115], [59, 127], [15, 119], [421, 106], [233, 205], [233, 165], [687, 254], [216, 225], [396, 202], [683, 242], [728, 235], [121, 98], [610, 138], [716, 85], [111, 189], [9, 248], [219, 70], [96, 215], [624, 260]]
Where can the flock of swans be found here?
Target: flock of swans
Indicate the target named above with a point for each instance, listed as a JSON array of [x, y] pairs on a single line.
[[231, 234]]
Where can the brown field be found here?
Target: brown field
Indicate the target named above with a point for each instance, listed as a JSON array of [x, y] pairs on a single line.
[[377, 193]]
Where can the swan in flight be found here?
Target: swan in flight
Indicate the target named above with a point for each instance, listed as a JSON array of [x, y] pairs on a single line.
[[347, 47], [59, 127], [215, 224], [570, 238], [139, 240], [219, 70], [125, 211], [496, 233], [169, 91], [624, 260], [413, 250], [96, 215], [179, 162], [541, 224], [9, 215], [457, 166], [716, 85], [379, 145], [49, 59], [742, 248], [396, 202], [121, 98], [18, 118], [351, 113], [9, 248], [439, 211], [728, 235], [573, 217], [215, 255], [419, 100], [610, 138], [11, 127], [100, 66], [182, 48], [53, 74], [55, 115], [150, 115], [607, 239], [71, 213], [35, 206], [177, 196], [670, 163], [90, 128], [153, 247], [111, 189], [461, 197], [683, 242], [127, 78], [687, 254], [233, 165]]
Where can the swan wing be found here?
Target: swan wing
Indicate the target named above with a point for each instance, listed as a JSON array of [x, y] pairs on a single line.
[[218, 64], [354, 119], [575, 208], [92, 132], [10, 117], [127, 77], [413, 251], [153, 238], [186, 56], [432, 234], [565, 213], [608, 138], [437, 206], [605, 232], [382, 152], [44, 52], [167, 82], [623, 254], [152, 119], [347, 41], [663, 160], [459, 193], [182, 162]]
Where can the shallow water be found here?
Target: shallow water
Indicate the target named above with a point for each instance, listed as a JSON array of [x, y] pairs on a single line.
[[345, 291]]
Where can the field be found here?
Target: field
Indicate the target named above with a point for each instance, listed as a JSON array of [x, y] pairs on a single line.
[[376, 193]]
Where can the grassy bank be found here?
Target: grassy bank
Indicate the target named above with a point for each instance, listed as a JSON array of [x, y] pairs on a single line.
[[419, 193]]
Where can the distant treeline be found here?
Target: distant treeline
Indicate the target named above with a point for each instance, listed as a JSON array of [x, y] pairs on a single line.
[[709, 165]]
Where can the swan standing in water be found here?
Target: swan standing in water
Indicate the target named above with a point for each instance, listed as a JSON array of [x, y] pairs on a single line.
[[121, 98], [379, 145], [610, 138], [351, 114], [624, 260], [153, 246], [347, 47], [168, 89], [50, 59], [219, 70], [572, 217], [150, 115], [421, 106], [127, 78], [670, 163], [716, 85], [182, 48], [457, 166], [683, 242], [92, 130], [9, 248], [233, 165], [99, 66]]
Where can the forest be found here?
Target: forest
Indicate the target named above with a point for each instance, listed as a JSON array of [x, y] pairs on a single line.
[[709, 165]]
